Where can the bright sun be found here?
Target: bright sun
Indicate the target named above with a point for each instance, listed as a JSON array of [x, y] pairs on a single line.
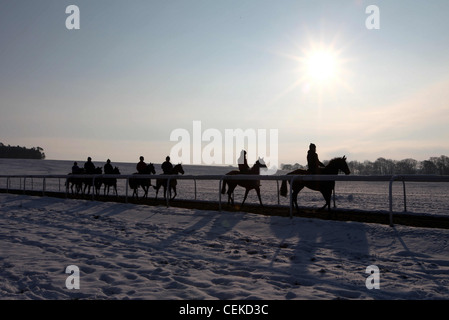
[[321, 69], [321, 66]]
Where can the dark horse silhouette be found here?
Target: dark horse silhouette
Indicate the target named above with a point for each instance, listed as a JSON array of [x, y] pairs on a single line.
[[88, 183], [145, 183], [72, 181], [247, 184], [163, 182], [111, 182], [325, 187]]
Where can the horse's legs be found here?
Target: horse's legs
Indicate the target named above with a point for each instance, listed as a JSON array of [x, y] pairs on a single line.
[[246, 194], [295, 197], [326, 190], [295, 200], [157, 190], [327, 197], [165, 191], [174, 190], [258, 195], [230, 193]]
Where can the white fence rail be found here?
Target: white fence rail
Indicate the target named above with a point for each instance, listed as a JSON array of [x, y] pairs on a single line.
[[220, 178]]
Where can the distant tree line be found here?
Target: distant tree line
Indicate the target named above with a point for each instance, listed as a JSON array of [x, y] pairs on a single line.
[[21, 152], [382, 166]]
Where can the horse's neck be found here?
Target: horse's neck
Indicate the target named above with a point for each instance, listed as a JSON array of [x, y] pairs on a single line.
[[255, 170], [331, 168]]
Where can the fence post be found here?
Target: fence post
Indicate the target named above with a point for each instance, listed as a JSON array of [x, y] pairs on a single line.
[[405, 197], [390, 192], [126, 188], [167, 192], [219, 193], [277, 190], [194, 181], [93, 188], [291, 197]]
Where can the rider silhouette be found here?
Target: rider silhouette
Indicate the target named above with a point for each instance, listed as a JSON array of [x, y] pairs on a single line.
[[243, 162], [108, 167], [313, 162], [89, 166], [75, 168], [141, 166], [167, 167]]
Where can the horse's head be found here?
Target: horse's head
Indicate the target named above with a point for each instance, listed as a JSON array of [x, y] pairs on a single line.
[[150, 168], [98, 170], [339, 164], [260, 163], [178, 169], [116, 171]]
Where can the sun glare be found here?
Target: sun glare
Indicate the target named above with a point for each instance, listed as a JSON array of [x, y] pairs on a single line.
[[321, 66]]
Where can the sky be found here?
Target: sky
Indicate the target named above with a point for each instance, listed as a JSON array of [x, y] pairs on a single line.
[[136, 71]]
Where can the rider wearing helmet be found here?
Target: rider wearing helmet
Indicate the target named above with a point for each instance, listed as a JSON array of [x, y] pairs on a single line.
[[167, 167], [89, 167], [141, 166], [243, 162], [108, 167], [313, 162]]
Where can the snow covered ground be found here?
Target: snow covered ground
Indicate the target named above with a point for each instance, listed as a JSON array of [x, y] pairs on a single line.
[[127, 251]]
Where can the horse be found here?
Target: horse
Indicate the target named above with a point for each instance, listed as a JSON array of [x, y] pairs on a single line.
[[111, 182], [98, 182], [74, 182], [135, 183], [325, 187], [247, 184], [163, 182]]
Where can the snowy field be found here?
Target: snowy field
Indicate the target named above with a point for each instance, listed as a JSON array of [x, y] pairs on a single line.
[[127, 251]]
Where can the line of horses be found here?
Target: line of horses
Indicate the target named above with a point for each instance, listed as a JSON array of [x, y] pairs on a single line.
[[83, 185], [325, 187]]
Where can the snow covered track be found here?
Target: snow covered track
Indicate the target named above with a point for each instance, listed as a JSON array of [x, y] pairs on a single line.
[[129, 251], [337, 214]]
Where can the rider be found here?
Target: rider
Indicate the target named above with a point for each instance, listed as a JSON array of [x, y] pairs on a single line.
[[167, 167], [243, 162], [75, 168], [108, 167], [141, 166], [89, 166], [313, 162]]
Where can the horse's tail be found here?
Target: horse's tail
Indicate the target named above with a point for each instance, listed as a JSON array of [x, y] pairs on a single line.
[[223, 188], [283, 189]]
